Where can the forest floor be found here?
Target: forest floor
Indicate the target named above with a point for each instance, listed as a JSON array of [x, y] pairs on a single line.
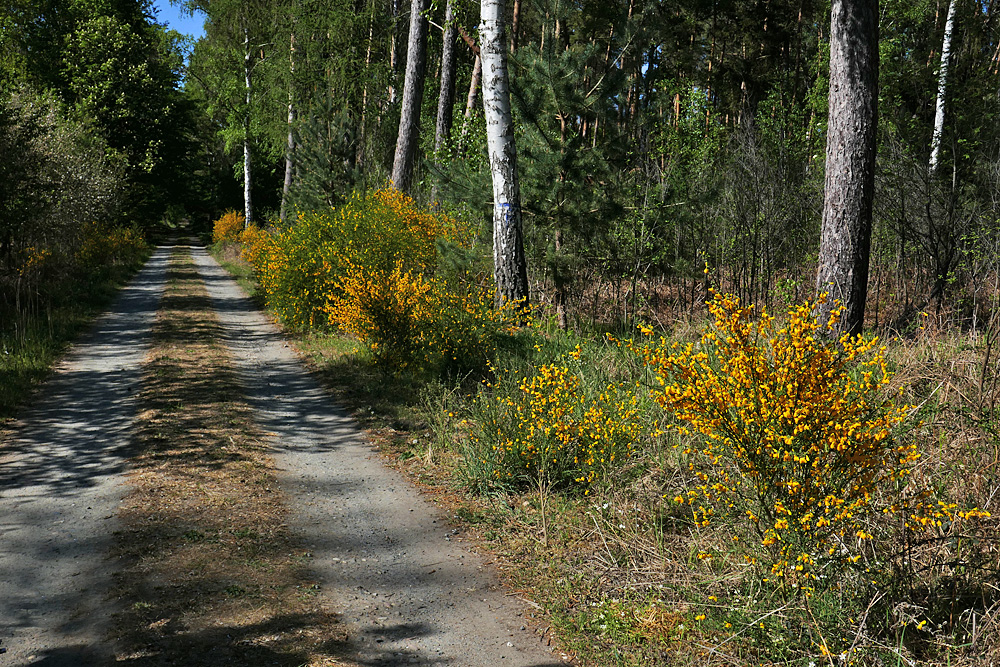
[[184, 492]]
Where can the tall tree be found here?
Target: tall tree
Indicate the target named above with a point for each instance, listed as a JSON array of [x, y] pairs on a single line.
[[290, 142], [510, 269], [941, 89], [845, 240], [247, 163], [413, 94], [446, 94]]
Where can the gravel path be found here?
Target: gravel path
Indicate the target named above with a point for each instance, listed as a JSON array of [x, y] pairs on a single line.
[[409, 592], [60, 483]]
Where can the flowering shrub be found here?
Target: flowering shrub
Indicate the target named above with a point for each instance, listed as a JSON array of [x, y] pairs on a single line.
[[32, 261], [796, 438], [409, 318], [370, 268], [228, 227], [554, 427], [104, 247]]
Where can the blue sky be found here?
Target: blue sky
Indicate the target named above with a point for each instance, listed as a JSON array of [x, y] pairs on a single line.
[[171, 14]]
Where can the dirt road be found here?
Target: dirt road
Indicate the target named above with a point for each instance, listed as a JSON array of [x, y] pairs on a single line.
[[386, 559], [60, 483]]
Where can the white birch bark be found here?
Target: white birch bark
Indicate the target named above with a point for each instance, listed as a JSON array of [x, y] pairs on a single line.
[[247, 174], [290, 145], [509, 265], [935, 159]]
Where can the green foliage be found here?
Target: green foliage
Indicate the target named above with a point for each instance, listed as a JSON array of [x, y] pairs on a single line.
[[57, 177], [554, 426], [325, 155], [566, 175], [371, 268]]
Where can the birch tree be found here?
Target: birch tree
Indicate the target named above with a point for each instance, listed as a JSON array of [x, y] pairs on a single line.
[[510, 269], [942, 87], [290, 141], [248, 88], [845, 239]]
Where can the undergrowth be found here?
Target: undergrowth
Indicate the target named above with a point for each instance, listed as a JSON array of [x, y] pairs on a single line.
[[49, 295], [739, 491]]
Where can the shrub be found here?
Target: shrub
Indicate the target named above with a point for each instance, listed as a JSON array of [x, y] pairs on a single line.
[[409, 319], [228, 227], [554, 427], [371, 269], [797, 449], [104, 248]]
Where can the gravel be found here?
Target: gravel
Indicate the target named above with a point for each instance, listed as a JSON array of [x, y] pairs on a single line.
[[409, 591], [60, 483]]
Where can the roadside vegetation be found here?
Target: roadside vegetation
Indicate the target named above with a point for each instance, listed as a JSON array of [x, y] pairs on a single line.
[[50, 292], [739, 486]]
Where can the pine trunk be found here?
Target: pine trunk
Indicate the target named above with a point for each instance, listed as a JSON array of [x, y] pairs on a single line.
[[942, 86], [470, 101], [446, 95], [850, 162], [510, 267], [413, 93]]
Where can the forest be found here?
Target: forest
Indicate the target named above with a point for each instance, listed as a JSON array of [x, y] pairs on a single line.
[[591, 243], [653, 139]]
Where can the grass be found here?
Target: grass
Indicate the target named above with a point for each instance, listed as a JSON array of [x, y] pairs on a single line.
[[210, 573], [625, 577]]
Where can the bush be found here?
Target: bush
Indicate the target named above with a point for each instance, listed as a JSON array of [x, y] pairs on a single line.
[[797, 442], [371, 269], [106, 248], [556, 425], [228, 227]]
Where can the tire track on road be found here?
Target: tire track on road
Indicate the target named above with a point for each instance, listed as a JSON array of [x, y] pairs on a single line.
[[61, 481], [409, 594]]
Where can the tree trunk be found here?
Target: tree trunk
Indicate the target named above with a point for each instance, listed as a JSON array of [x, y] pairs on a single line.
[[942, 85], [413, 93], [247, 174], [395, 49], [510, 270], [290, 145], [850, 162], [359, 159], [470, 101], [515, 22], [446, 96]]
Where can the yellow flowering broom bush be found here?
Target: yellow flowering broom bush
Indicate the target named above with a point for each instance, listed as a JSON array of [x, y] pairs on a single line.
[[106, 248], [414, 318], [306, 263], [553, 426], [370, 268], [796, 440], [228, 226]]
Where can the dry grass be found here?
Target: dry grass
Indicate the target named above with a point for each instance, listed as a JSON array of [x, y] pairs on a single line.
[[210, 574], [617, 573]]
